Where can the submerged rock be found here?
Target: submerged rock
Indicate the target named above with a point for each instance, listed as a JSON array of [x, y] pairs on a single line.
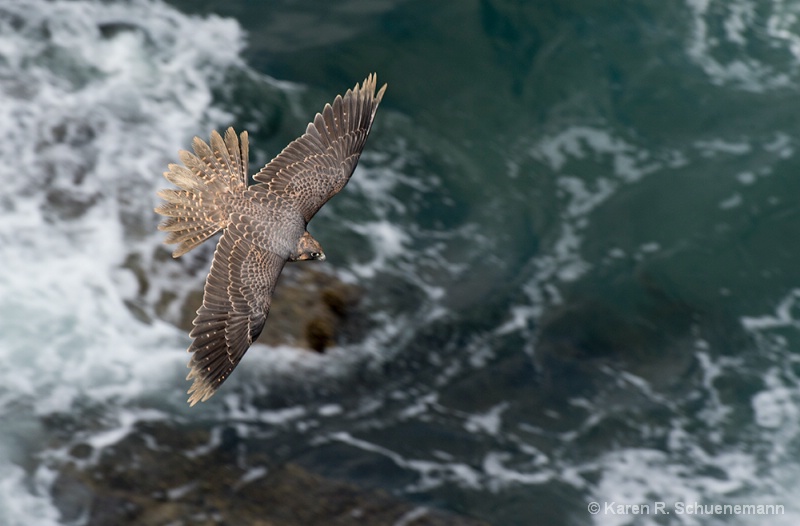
[[158, 475], [311, 309]]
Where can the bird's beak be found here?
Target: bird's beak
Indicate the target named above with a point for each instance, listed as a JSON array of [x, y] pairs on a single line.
[[321, 256]]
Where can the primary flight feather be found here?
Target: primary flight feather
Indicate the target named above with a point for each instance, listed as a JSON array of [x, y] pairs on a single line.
[[264, 224]]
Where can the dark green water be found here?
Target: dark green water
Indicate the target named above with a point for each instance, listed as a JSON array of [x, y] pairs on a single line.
[[604, 195], [575, 224]]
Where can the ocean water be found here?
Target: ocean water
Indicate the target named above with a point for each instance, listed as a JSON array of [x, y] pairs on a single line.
[[574, 226]]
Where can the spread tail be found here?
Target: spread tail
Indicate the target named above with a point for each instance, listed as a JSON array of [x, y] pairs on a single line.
[[210, 176]]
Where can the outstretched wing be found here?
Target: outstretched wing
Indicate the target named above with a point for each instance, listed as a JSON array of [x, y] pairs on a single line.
[[236, 302], [314, 167]]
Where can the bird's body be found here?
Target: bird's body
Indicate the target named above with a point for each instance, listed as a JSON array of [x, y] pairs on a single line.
[[264, 224]]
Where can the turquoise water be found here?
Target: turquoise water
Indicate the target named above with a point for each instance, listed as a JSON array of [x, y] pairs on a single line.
[[574, 224]]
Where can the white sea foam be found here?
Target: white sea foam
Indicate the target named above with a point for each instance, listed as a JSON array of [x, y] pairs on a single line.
[[702, 465], [496, 466], [488, 422], [712, 147], [95, 97], [743, 21], [83, 152], [411, 516], [431, 473], [18, 505], [783, 316], [707, 464], [775, 408], [731, 202], [620, 163], [127, 419], [388, 241]]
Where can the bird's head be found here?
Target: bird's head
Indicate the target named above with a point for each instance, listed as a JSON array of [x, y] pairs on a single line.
[[307, 248], [305, 256]]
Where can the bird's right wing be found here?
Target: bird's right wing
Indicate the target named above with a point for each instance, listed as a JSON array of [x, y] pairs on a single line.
[[236, 302], [314, 167]]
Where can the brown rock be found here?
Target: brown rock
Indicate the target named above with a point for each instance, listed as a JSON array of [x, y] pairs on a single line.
[[159, 475]]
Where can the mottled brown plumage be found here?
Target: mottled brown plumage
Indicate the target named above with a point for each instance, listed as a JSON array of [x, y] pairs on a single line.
[[264, 224]]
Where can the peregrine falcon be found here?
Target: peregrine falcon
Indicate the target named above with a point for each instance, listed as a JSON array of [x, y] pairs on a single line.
[[263, 224]]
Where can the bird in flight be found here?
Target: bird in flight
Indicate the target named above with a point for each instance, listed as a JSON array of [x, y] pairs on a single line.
[[263, 224]]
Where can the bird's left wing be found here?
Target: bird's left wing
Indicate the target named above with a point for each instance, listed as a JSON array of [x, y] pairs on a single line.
[[314, 167], [236, 302]]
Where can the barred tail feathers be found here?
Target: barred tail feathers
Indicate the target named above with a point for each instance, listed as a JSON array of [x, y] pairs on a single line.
[[191, 218], [210, 176]]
